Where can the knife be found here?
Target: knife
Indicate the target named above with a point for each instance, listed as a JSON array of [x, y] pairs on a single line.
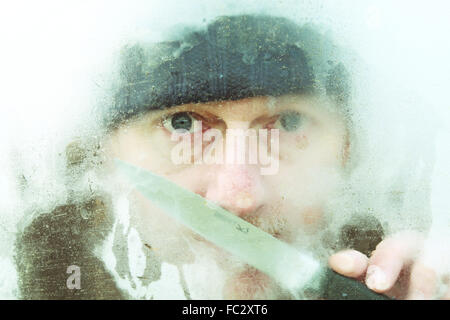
[[296, 271]]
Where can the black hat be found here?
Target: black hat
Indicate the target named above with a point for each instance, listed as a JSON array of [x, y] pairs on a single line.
[[236, 57]]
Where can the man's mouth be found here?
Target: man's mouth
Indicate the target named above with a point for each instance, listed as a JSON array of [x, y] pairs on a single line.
[[272, 225]]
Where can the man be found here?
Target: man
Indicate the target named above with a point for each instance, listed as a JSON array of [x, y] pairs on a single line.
[[242, 73]]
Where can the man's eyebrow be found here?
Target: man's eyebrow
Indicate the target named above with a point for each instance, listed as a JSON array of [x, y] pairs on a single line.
[[201, 110]]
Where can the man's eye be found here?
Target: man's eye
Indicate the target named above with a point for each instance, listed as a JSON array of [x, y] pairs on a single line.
[[179, 121], [289, 121]]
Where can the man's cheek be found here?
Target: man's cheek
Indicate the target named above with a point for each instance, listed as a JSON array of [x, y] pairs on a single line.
[[303, 220], [304, 192], [149, 150]]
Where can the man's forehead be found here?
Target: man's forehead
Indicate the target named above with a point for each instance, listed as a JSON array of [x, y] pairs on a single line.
[[250, 108], [240, 109]]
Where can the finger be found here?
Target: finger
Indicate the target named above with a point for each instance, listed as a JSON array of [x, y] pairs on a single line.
[[389, 258], [350, 263], [423, 283]]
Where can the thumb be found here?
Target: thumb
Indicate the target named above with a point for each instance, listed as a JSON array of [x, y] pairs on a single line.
[[349, 263]]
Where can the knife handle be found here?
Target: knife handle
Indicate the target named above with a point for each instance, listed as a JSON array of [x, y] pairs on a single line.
[[338, 287]]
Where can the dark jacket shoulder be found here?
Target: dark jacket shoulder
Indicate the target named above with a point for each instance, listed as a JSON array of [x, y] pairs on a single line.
[[55, 241]]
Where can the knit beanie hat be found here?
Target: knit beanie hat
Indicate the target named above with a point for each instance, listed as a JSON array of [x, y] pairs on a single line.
[[235, 57]]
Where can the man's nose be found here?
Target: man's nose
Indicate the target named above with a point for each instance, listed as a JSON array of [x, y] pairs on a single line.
[[237, 188]]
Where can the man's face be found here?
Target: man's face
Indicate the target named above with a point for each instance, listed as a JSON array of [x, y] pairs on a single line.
[[287, 201]]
